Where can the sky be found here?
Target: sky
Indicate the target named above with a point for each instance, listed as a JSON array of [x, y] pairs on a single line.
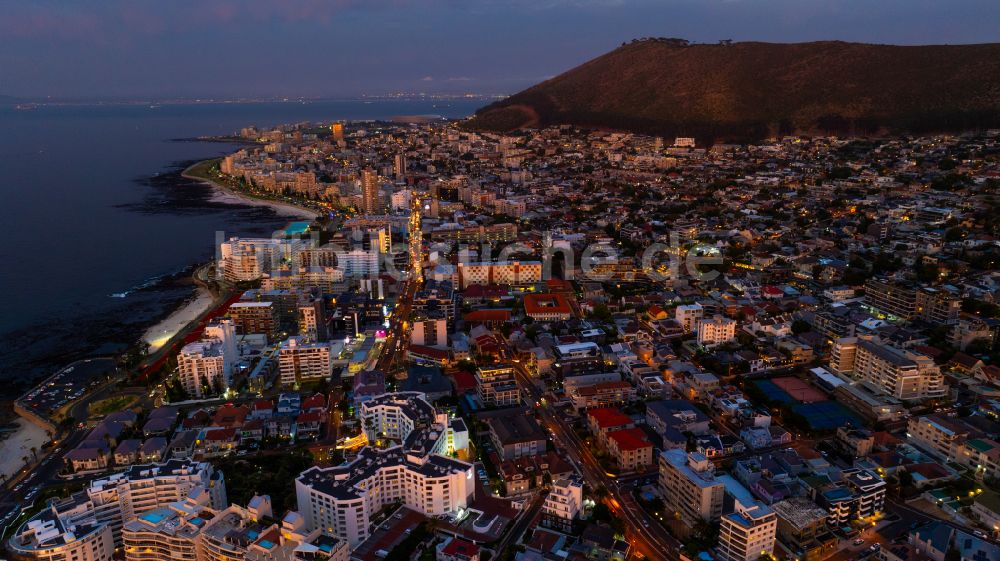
[[343, 48]]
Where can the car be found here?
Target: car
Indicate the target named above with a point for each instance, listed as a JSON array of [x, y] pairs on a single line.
[[875, 547], [859, 541], [979, 534]]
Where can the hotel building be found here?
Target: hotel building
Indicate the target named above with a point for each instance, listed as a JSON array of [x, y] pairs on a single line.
[[418, 472]]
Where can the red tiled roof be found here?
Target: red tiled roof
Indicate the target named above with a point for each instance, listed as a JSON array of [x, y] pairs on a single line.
[[550, 303], [460, 547], [487, 315], [316, 401], [220, 435], [630, 439], [313, 417], [609, 417]]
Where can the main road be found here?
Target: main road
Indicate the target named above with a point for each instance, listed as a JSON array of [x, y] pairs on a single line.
[[643, 532]]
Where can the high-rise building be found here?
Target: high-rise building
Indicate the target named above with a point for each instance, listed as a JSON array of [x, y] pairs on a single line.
[[303, 362], [496, 386], [399, 166], [689, 486], [337, 132], [202, 368], [370, 199]]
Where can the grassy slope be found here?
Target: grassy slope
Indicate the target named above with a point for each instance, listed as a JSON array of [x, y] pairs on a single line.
[[715, 90]]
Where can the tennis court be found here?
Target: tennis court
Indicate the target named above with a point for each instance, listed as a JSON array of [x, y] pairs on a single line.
[[826, 415], [799, 389], [773, 393]]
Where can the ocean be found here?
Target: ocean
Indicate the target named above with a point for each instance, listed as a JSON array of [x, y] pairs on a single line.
[[100, 231]]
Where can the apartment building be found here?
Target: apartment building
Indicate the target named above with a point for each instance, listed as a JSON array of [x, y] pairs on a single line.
[[247, 259], [748, 532], [202, 367], [563, 504], [300, 362], [88, 524], [477, 234], [938, 435], [716, 331], [429, 331], [341, 501], [689, 486], [688, 316], [164, 533], [513, 273], [517, 435], [910, 302], [602, 394], [899, 373], [47, 536], [496, 386], [631, 449], [255, 317]]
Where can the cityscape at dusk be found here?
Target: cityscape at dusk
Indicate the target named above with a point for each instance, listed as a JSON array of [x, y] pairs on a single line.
[[561, 280]]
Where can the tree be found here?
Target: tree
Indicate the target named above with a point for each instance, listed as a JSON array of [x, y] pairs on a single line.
[[800, 326]]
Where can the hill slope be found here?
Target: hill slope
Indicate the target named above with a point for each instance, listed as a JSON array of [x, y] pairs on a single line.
[[743, 91]]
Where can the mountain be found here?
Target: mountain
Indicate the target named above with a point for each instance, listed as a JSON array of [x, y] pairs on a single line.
[[746, 91]]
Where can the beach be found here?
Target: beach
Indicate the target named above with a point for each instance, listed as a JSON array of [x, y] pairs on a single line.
[[225, 195], [158, 335], [18, 444]]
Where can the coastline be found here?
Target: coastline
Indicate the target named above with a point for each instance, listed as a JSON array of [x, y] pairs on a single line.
[[226, 195], [159, 334], [162, 332]]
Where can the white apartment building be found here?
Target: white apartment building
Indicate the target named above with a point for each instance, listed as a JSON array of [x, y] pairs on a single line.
[[563, 504], [748, 532], [514, 273], [49, 537], [247, 259], [716, 331], [689, 487], [890, 371], [164, 533], [341, 501], [430, 332], [87, 525], [688, 316], [496, 385], [208, 363], [358, 263], [303, 362], [142, 488]]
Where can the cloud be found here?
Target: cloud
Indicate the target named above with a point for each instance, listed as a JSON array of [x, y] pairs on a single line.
[[427, 79]]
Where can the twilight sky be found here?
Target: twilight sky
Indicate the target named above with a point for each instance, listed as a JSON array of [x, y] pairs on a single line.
[[251, 48]]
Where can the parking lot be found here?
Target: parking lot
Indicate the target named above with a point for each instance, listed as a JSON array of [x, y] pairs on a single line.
[[67, 385]]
